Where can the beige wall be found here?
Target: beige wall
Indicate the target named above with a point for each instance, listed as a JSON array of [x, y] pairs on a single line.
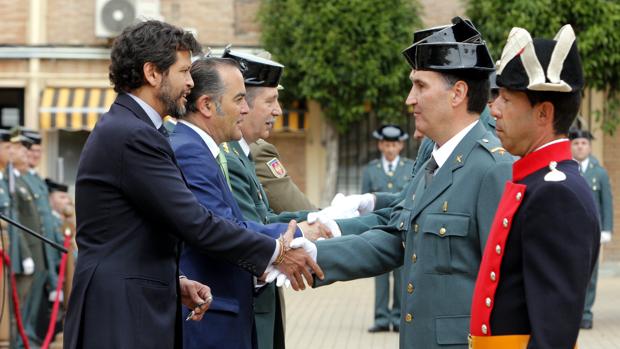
[[14, 22]]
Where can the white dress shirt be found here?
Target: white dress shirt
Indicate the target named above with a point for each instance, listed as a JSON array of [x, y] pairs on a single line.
[[442, 154], [150, 112], [386, 164]]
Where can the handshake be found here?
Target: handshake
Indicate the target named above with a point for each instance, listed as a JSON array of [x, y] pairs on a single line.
[[296, 259]]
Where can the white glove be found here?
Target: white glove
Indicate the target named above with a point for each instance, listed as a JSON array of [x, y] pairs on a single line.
[[328, 222], [605, 237], [339, 209], [364, 203], [28, 266], [281, 279], [52, 296], [307, 245]]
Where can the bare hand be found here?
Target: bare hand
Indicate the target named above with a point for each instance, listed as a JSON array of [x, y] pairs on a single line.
[[297, 263], [195, 296], [315, 231]]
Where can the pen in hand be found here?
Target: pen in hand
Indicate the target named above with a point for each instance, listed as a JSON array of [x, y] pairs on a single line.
[[193, 312]]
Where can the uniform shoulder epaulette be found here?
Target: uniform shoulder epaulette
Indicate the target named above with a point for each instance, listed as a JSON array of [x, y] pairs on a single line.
[[494, 147], [406, 161], [374, 162]]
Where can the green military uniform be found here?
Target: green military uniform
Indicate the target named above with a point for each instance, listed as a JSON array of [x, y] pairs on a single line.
[[439, 237], [282, 192], [38, 312], [376, 179], [254, 205], [598, 180]]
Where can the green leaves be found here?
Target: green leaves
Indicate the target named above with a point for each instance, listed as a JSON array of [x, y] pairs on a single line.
[[594, 22], [344, 54]]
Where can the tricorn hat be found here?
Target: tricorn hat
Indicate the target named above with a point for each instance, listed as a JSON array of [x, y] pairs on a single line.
[[53, 186], [257, 71], [390, 133], [575, 133], [541, 64], [5, 135], [458, 47]]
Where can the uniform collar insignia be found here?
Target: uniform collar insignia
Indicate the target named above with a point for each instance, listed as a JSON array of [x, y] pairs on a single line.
[[541, 158]]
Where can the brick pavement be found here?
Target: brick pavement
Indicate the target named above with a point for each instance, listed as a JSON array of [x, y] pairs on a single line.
[[337, 316]]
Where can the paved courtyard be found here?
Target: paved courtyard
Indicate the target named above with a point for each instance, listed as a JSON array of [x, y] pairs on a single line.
[[337, 316]]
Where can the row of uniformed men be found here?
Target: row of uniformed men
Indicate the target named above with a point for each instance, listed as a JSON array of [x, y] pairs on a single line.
[[39, 205]]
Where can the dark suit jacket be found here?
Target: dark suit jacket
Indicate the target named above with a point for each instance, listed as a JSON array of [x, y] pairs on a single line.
[[229, 323], [133, 209]]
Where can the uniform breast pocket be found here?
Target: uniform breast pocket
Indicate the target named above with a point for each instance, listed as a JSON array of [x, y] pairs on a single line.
[[444, 241]]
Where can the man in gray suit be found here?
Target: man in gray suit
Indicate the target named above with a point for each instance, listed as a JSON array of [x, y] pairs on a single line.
[[439, 229]]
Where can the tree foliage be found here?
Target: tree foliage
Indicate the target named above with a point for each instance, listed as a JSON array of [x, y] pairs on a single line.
[[343, 54], [594, 22]]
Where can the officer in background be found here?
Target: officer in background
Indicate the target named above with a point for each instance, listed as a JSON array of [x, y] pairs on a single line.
[[598, 180], [49, 228], [31, 278], [5, 197], [390, 173]]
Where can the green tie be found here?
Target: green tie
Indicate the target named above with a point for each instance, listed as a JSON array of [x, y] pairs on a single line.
[[221, 160]]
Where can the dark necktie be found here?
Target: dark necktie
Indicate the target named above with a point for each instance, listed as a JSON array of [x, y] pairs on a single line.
[[390, 167], [163, 131], [430, 169]]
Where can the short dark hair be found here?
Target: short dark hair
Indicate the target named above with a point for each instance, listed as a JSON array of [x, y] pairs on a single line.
[[477, 89], [207, 80], [150, 41], [565, 106]]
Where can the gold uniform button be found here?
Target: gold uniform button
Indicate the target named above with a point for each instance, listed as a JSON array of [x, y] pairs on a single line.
[[414, 258], [410, 288], [493, 276], [416, 227], [408, 317], [505, 222], [498, 249], [487, 302], [484, 328], [519, 196], [442, 231], [390, 185]]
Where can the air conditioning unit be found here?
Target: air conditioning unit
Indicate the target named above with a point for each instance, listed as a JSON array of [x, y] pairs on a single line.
[[112, 16]]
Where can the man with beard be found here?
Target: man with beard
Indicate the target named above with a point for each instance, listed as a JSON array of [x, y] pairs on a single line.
[[544, 241], [134, 208]]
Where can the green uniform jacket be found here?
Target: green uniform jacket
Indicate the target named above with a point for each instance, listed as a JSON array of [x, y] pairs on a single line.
[[374, 178], [49, 228], [254, 205], [438, 238], [282, 192], [389, 200], [597, 178], [18, 250]]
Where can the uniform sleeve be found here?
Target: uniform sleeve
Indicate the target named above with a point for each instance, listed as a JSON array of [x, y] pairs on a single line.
[[358, 225], [151, 180], [560, 245], [607, 210], [358, 256], [283, 193]]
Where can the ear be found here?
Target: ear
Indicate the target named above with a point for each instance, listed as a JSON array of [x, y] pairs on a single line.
[[545, 114], [206, 106], [459, 93], [151, 74]]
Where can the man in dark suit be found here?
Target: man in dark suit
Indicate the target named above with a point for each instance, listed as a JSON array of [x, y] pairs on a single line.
[[134, 208], [216, 107]]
